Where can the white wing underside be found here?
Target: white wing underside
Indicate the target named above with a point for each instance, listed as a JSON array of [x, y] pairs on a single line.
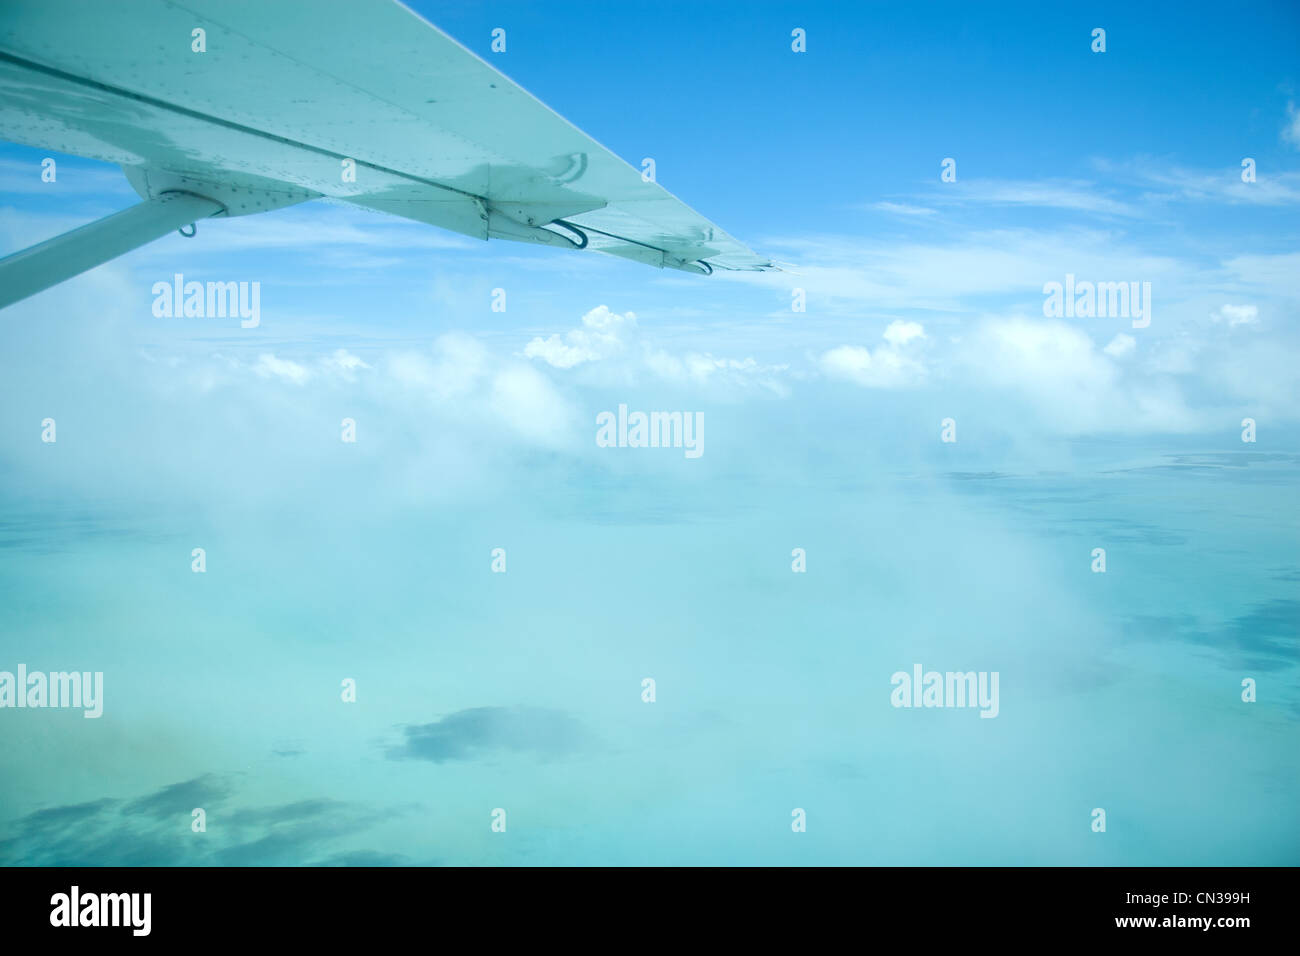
[[289, 89]]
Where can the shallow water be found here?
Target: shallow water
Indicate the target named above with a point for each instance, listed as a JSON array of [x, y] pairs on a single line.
[[522, 691]]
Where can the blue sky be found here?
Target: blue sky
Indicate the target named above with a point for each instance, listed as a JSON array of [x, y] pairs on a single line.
[[924, 302], [829, 161]]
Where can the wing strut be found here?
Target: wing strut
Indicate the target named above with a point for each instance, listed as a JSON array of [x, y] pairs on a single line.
[[49, 263]]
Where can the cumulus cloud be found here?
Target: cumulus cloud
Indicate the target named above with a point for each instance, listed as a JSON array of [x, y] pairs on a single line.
[[887, 366], [1121, 346], [1063, 377], [616, 344], [1236, 315], [268, 366], [454, 367], [528, 403], [460, 369], [702, 368], [340, 364], [344, 362], [882, 369], [899, 333], [1020, 351], [603, 334]]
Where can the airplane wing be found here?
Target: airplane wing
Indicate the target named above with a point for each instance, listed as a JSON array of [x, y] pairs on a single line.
[[251, 105]]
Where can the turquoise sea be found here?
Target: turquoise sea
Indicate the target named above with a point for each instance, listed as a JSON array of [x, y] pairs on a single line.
[[522, 691]]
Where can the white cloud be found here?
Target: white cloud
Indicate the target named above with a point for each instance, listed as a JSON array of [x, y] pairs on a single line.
[[460, 363], [1274, 276], [268, 366], [702, 368], [885, 367], [899, 333], [528, 403], [344, 364], [1175, 183], [1236, 315], [1291, 129], [465, 382], [1070, 384], [1051, 194], [603, 334], [1022, 351], [614, 345], [453, 368], [882, 369], [845, 273], [903, 209], [1121, 346]]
